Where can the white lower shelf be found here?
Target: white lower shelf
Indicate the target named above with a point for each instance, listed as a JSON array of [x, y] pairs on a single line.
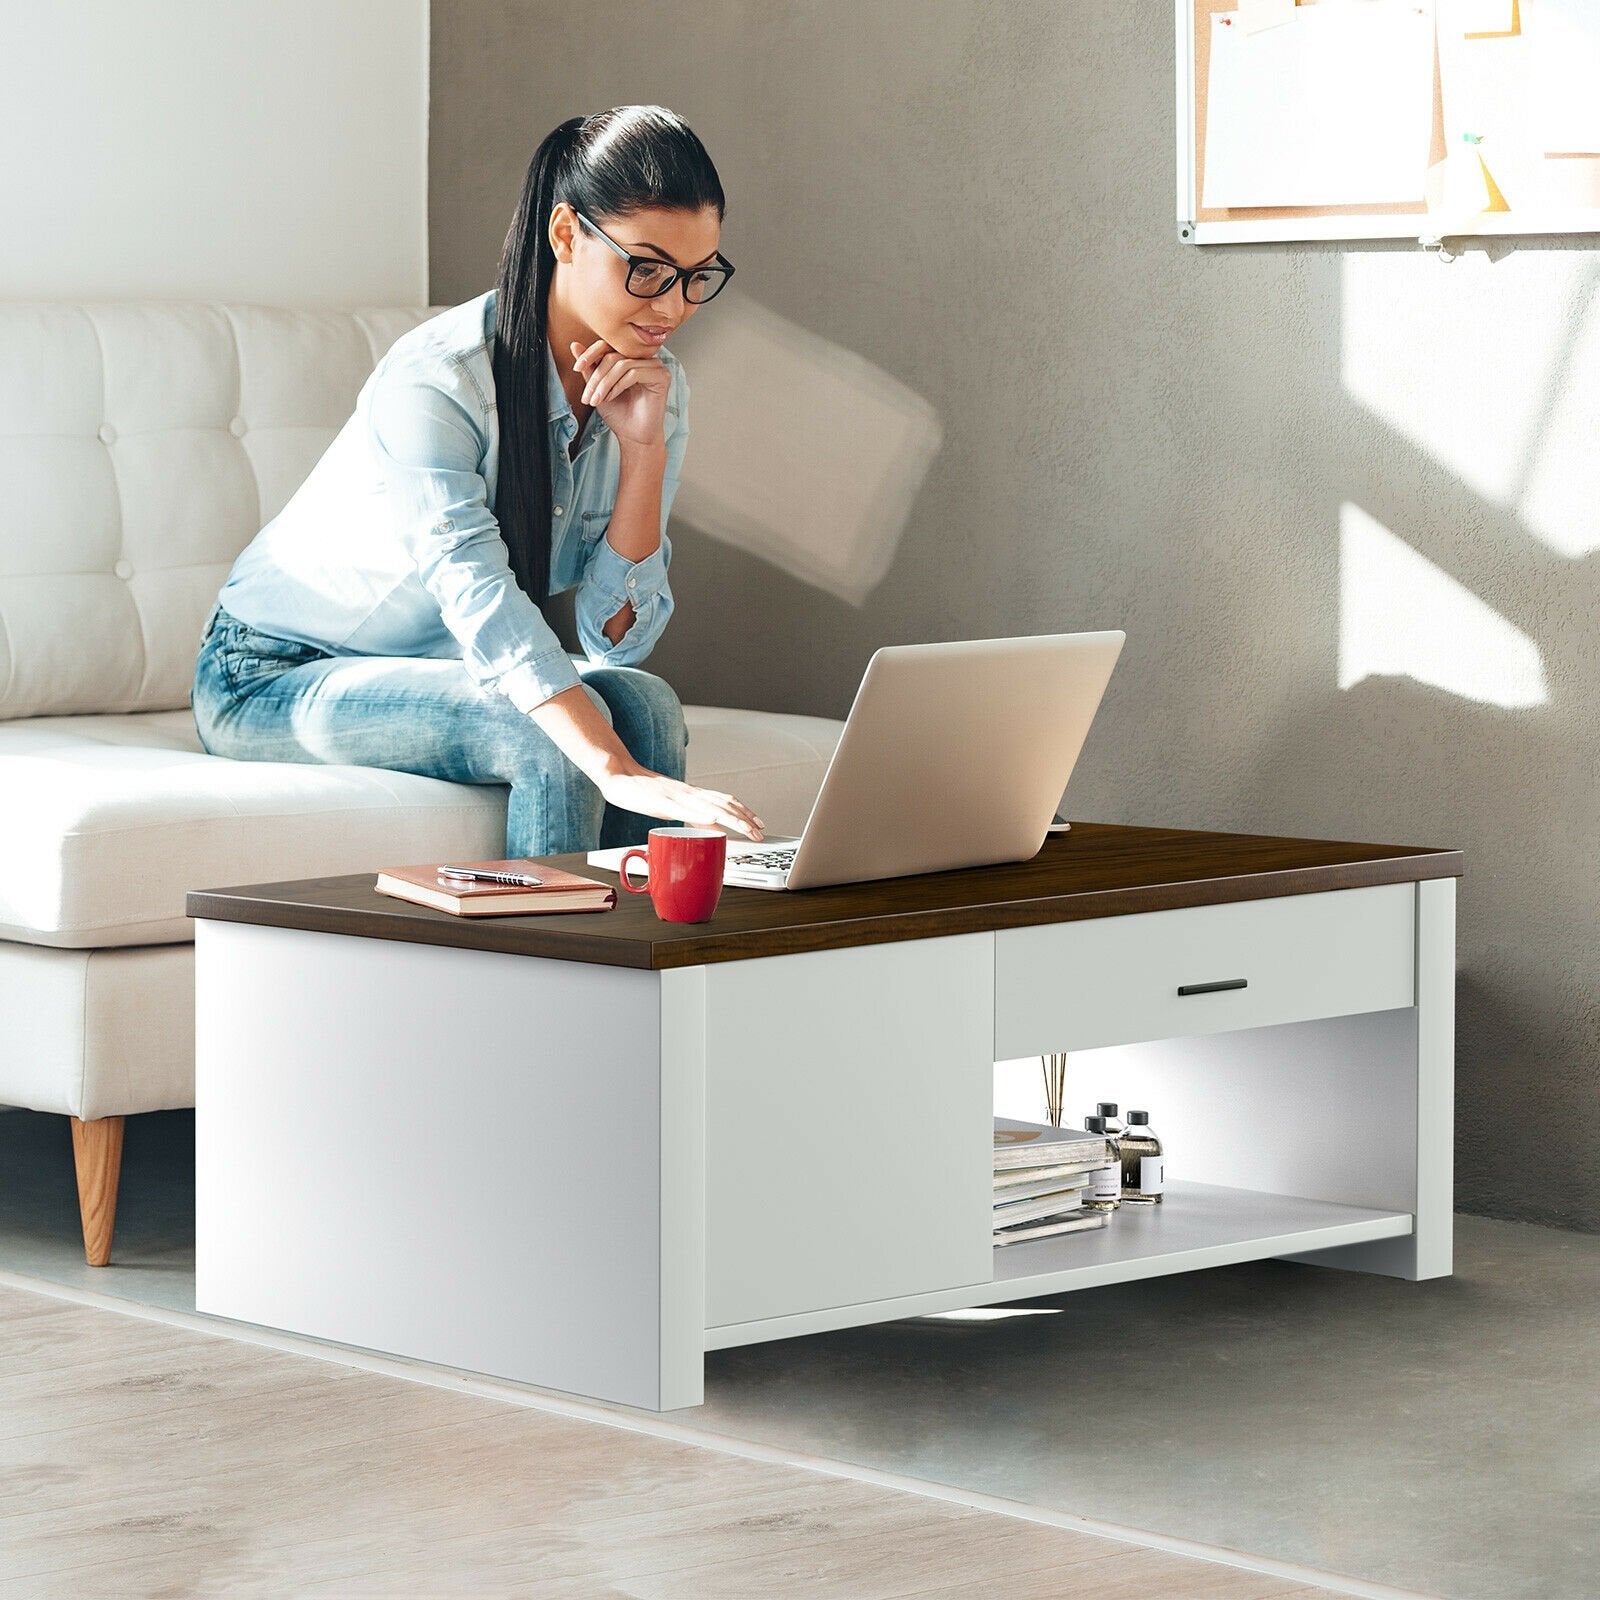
[[1198, 1225]]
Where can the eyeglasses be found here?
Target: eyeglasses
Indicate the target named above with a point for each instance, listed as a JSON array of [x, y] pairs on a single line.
[[650, 277]]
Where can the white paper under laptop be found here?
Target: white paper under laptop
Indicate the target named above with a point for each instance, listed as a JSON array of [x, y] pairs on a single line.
[[953, 755]]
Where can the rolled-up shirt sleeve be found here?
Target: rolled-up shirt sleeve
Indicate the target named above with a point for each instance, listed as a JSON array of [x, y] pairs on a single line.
[[610, 581], [429, 458]]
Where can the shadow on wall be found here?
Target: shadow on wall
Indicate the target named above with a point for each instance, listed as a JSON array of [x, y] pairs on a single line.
[[801, 453]]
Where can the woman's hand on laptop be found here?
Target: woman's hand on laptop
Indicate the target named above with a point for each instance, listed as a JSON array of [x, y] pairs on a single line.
[[653, 794], [576, 726]]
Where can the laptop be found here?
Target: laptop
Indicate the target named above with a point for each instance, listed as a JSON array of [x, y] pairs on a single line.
[[953, 755]]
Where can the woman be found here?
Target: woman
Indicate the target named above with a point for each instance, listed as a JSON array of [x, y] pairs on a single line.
[[518, 445]]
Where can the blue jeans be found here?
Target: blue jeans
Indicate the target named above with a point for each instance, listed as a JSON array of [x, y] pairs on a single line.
[[261, 698]]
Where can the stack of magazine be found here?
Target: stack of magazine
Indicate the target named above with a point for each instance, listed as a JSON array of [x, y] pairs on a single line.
[[1041, 1175]]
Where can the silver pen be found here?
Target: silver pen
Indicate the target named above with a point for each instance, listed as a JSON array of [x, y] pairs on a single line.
[[524, 880]]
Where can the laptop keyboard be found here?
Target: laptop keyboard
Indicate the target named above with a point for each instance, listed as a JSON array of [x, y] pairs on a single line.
[[780, 860]]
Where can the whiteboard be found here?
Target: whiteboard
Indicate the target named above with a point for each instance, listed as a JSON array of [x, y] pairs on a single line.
[[1380, 119]]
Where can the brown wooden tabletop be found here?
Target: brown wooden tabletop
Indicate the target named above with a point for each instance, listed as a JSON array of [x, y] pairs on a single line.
[[1097, 870]]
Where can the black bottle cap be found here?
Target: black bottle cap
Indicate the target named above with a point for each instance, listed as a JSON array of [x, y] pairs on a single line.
[[1095, 1124], [1138, 1116], [1106, 1108]]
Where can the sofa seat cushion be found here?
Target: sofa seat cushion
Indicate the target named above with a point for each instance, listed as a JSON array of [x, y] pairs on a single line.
[[108, 820]]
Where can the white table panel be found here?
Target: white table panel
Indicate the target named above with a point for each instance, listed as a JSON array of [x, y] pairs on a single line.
[[849, 1105], [446, 1154]]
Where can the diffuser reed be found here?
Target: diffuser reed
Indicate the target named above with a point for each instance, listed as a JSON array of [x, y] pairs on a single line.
[[1054, 1068]]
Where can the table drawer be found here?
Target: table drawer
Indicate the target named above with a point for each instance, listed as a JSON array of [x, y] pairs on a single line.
[[1122, 980]]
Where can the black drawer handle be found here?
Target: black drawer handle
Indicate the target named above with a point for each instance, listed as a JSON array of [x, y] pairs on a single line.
[[1211, 988]]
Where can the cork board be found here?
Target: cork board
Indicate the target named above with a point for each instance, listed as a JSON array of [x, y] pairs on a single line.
[[1213, 224]]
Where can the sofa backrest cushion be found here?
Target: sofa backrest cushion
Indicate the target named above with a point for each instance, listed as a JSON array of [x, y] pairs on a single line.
[[142, 446]]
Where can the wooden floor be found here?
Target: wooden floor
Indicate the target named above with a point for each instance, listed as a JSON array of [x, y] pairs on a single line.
[[139, 1459]]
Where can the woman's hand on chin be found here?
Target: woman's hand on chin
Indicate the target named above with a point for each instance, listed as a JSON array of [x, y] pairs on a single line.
[[629, 392]]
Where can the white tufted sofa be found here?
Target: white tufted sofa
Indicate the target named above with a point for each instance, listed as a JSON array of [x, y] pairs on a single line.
[[142, 446]]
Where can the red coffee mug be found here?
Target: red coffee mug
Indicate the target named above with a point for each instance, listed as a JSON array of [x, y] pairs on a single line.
[[685, 872]]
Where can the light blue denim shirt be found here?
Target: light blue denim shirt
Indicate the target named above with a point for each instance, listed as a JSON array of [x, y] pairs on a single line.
[[390, 547]]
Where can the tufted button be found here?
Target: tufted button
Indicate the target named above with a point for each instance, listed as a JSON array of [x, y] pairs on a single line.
[[123, 569], [237, 427], [560, 509], [107, 433]]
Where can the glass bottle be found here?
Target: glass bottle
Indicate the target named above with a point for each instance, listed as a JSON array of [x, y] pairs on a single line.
[[1144, 1177], [1108, 1110], [1105, 1183]]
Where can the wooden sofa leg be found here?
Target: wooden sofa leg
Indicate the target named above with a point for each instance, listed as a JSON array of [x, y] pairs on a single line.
[[97, 1153]]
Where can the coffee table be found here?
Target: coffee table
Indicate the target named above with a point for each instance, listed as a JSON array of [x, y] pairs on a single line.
[[579, 1151]]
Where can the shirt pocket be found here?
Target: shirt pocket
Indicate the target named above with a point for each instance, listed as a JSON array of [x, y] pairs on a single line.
[[595, 523]]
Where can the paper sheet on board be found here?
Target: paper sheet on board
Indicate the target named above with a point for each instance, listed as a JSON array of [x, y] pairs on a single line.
[[1254, 15], [1458, 190], [1487, 93], [1484, 17], [1332, 108], [1565, 39]]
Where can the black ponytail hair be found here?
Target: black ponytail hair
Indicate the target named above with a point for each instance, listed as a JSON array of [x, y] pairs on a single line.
[[609, 165]]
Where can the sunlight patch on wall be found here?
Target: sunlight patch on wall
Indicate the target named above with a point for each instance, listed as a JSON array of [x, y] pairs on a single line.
[[1438, 364], [1500, 388], [1560, 504], [1401, 616]]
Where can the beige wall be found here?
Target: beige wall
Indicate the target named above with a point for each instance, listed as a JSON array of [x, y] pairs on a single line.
[[261, 150], [1344, 500]]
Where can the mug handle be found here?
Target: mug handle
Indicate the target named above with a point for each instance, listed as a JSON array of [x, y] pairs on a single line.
[[622, 871]]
